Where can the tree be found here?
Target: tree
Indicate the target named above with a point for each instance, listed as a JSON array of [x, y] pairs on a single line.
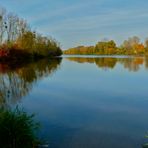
[[16, 35], [106, 47], [146, 43], [131, 42], [2, 26]]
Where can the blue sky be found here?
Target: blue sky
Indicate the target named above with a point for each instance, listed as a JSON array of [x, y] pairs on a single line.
[[83, 22]]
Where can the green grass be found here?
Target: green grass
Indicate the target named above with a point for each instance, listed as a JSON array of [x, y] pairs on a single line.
[[17, 129]]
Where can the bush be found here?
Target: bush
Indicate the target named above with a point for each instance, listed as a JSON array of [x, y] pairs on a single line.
[[17, 129]]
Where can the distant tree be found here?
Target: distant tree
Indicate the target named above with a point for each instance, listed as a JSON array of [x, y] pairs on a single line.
[[106, 47], [131, 45], [131, 42], [146, 43]]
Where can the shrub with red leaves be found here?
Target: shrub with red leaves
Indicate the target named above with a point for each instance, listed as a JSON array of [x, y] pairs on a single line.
[[4, 53]]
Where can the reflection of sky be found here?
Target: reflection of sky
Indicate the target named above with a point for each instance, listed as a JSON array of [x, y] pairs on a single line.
[[75, 22], [81, 101]]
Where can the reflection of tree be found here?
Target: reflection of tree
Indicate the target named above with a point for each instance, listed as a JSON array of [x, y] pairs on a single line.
[[82, 60], [106, 62], [100, 62], [17, 83], [132, 64], [146, 62]]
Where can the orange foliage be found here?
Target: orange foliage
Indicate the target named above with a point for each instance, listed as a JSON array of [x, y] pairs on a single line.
[[139, 48]]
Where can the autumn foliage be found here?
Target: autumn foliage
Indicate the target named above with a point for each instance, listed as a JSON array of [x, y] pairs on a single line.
[[18, 37], [132, 46]]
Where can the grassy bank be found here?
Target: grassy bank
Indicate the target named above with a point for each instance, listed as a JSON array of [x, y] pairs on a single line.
[[17, 129]]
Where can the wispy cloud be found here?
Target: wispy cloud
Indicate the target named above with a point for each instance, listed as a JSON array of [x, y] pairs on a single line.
[[83, 21]]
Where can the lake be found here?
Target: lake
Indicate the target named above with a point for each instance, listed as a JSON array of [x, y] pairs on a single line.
[[83, 101]]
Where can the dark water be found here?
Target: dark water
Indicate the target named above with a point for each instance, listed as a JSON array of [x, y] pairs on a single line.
[[83, 102]]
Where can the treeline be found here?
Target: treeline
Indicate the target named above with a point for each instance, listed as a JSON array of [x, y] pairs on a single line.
[[16, 35], [131, 46]]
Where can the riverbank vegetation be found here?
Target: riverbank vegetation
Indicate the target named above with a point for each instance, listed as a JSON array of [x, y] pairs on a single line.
[[18, 40], [17, 129], [131, 46]]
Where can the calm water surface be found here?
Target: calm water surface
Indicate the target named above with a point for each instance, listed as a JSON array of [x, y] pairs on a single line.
[[83, 102]]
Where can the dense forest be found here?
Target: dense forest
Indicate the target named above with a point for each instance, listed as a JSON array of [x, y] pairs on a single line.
[[131, 46], [18, 40]]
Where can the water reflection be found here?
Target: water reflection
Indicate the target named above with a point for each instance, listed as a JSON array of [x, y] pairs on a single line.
[[130, 63], [109, 112], [17, 82]]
